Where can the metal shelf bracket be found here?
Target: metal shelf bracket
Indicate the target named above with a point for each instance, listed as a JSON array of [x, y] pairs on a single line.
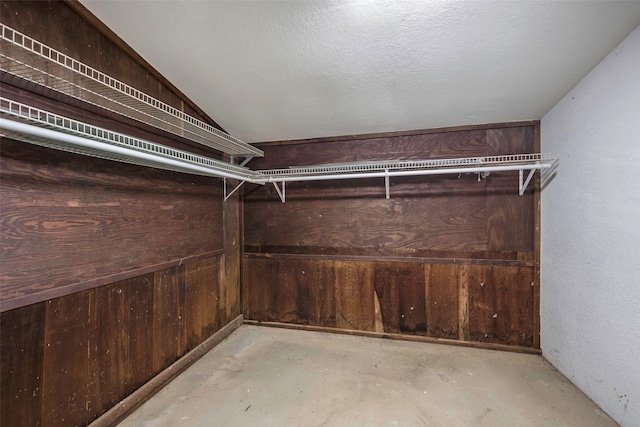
[[282, 192], [236, 188], [523, 186], [386, 183]]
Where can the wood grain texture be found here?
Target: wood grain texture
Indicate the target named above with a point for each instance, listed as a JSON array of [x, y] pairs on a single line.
[[21, 371], [501, 305], [71, 336], [424, 248], [315, 293], [511, 217], [355, 306], [201, 298], [401, 290], [61, 211], [232, 223], [424, 213], [121, 360], [149, 248], [169, 341], [463, 128], [68, 360], [463, 301], [442, 300]]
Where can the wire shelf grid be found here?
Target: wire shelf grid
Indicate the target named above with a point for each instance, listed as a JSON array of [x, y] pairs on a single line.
[[36, 62], [52, 121], [407, 165]]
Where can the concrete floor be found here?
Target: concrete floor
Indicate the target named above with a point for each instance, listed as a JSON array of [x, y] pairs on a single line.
[[263, 376]]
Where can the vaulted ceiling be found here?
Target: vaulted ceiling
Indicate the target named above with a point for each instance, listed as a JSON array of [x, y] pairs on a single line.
[[276, 70]]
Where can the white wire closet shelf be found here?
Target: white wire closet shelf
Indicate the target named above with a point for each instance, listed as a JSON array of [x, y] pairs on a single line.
[[31, 60], [483, 166], [28, 124], [36, 62], [33, 125]]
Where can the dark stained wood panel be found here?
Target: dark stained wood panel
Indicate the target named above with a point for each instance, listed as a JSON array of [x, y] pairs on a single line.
[[264, 298], [442, 300], [121, 360], [201, 296], [151, 250], [422, 146], [68, 218], [70, 338], [425, 248], [232, 223], [501, 306], [435, 212], [297, 291], [355, 300], [68, 360], [510, 225], [450, 218], [169, 341], [400, 288], [21, 371], [316, 292]]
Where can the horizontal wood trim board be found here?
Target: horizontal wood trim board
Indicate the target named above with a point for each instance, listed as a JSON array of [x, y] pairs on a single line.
[[387, 252], [398, 133], [141, 395], [61, 291], [401, 337], [422, 260]]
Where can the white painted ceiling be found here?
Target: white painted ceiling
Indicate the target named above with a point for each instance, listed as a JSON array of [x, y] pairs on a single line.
[[277, 70]]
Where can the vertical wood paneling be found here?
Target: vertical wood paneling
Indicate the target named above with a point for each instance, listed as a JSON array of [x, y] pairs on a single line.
[[121, 360], [318, 282], [401, 291], [71, 222], [368, 239], [463, 302], [70, 338], [536, 246], [442, 300], [257, 292], [232, 247], [21, 368], [501, 306], [200, 300], [68, 360], [169, 340], [355, 306]]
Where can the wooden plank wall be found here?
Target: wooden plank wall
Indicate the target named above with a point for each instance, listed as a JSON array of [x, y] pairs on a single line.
[[110, 272], [445, 257]]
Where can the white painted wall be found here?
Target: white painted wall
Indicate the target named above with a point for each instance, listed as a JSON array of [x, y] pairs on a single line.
[[590, 271]]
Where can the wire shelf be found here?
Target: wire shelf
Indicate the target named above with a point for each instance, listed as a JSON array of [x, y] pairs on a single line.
[[36, 62], [47, 120], [515, 160]]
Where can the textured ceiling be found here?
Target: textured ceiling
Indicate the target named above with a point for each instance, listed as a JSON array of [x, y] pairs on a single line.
[[289, 70]]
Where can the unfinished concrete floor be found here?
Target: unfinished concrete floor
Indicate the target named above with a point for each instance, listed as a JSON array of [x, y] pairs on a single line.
[[263, 376]]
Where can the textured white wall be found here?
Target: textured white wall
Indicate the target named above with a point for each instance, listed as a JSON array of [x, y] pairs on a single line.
[[590, 276]]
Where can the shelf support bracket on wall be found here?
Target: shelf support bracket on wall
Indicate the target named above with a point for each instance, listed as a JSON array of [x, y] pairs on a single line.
[[523, 186], [246, 160], [386, 182], [281, 193], [237, 187]]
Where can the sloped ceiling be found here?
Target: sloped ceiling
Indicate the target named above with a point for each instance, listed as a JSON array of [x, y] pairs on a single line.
[[278, 70]]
